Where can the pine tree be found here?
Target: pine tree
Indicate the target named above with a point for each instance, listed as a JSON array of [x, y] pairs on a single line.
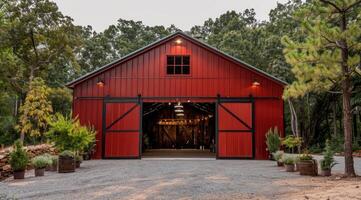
[[35, 111], [328, 57]]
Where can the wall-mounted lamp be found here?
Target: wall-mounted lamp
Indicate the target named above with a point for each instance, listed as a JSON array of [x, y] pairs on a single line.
[[178, 41], [256, 83], [100, 83]]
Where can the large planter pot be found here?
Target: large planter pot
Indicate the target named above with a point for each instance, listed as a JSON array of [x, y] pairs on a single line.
[[308, 167], [279, 164], [326, 172], [66, 164], [39, 172], [19, 174], [290, 167]]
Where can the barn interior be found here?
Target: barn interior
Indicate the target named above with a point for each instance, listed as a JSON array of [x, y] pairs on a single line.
[[178, 129]]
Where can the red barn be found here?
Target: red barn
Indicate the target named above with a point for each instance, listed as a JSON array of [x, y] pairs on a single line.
[[179, 93]]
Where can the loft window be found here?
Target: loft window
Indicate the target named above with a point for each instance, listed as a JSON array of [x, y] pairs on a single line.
[[178, 65]]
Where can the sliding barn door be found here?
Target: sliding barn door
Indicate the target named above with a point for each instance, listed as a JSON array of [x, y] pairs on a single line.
[[235, 128], [121, 128]]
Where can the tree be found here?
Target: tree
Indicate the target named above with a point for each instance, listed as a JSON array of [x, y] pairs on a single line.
[[328, 56], [41, 39], [35, 111]]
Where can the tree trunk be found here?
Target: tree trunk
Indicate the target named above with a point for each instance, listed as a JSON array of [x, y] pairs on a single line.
[[346, 104], [334, 119]]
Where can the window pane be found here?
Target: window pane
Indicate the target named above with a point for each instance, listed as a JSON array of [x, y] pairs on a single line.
[[170, 69], [170, 60], [185, 60], [186, 69], [178, 69], [178, 60]]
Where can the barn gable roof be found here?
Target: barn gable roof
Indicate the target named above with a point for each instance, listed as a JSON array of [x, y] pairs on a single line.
[[163, 40]]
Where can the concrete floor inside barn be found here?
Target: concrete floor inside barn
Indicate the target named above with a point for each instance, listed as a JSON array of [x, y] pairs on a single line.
[[174, 179]]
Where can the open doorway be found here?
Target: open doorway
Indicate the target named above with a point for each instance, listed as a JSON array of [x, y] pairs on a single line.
[[178, 129]]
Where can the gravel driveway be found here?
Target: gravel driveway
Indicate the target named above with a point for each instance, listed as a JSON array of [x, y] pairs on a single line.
[[160, 179]]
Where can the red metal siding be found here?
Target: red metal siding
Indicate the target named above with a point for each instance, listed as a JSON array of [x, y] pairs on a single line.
[[211, 74]]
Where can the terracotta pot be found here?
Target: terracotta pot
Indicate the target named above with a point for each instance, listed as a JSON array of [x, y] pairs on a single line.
[[39, 172], [279, 164], [326, 172], [19, 174], [290, 167], [77, 164], [308, 167], [66, 164]]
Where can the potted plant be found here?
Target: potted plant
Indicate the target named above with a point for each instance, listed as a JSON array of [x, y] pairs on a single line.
[[68, 134], [278, 155], [273, 141], [54, 163], [18, 160], [289, 162], [66, 162], [307, 165], [328, 161], [40, 163], [78, 160]]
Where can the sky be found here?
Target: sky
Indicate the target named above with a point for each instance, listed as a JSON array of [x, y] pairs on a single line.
[[182, 13]]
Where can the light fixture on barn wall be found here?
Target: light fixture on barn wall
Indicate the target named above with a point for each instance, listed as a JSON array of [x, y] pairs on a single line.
[[256, 83], [100, 83], [178, 41]]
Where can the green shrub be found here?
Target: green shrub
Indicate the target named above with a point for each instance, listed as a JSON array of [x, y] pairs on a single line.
[[337, 143], [54, 160], [78, 158], [278, 155], [292, 141], [315, 149], [288, 159], [328, 161], [67, 153], [18, 157], [273, 140], [69, 134], [41, 161]]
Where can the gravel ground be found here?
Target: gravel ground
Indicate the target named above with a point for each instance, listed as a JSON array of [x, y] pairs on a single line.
[[161, 179]]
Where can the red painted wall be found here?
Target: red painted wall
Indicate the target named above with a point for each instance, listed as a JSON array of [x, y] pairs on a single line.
[[211, 74]]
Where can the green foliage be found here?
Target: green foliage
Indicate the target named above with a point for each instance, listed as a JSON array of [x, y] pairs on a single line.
[[328, 161], [41, 161], [69, 134], [273, 140], [18, 157], [292, 141], [278, 155], [305, 156], [78, 158], [36, 109], [43, 41], [61, 100], [67, 153], [315, 149], [336, 143], [316, 60], [288, 159]]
